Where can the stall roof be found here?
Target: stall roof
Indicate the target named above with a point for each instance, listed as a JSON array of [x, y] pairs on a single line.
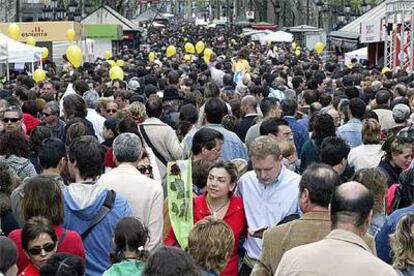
[[106, 15], [374, 13], [148, 15], [303, 29]]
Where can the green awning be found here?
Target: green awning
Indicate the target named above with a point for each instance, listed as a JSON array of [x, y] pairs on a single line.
[[103, 31]]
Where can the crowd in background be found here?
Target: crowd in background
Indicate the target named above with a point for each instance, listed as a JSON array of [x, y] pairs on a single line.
[[299, 165]]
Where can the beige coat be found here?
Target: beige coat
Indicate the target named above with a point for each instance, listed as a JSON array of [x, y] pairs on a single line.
[[165, 140], [341, 253], [312, 227], [144, 195]]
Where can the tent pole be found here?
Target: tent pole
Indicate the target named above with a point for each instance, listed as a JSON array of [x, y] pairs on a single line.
[[7, 69]]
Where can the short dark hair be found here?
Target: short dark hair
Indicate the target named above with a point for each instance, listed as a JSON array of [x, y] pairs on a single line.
[[33, 228], [310, 96], [271, 125], [89, 156], [355, 209], [289, 107], [63, 264], [323, 126], [215, 109], [74, 106], [320, 180], [382, 96], [205, 138], [8, 254], [357, 108], [267, 104], [51, 151], [333, 151], [154, 106], [170, 261]]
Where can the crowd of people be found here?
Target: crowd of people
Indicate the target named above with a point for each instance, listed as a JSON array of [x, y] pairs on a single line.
[[299, 166]]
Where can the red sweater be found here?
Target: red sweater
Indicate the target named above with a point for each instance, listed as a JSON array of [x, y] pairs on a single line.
[[72, 244], [234, 218], [30, 270]]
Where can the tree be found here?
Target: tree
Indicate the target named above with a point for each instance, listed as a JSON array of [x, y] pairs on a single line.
[[261, 9]]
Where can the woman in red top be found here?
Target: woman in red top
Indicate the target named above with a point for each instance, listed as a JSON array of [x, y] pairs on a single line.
[[39, 241], [46, 200], [220, 202]]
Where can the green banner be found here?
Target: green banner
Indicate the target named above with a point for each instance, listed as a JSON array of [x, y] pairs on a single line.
[[180, 199]]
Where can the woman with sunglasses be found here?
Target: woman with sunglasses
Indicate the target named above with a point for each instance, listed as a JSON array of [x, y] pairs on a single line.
[[43, 197], [39, 241], [220, 202]]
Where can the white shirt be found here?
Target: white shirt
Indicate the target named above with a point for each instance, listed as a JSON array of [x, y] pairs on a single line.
[[365, 156], [98, 123], [266, 206]]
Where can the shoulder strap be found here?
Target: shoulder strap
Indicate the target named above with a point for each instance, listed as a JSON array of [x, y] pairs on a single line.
[[105, 209], [154, 150], [62, 236]]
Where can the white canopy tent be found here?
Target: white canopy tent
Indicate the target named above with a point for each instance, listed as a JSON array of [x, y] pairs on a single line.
[[359, 54], [12, 51], [278, 36]]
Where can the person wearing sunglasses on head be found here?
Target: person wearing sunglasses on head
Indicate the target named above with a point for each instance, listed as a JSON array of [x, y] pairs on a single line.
[[50, 118], [39, 241]]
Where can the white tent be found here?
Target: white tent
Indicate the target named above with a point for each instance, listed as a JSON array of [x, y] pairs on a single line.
[[359, 54], [278, 36], [12, 51]]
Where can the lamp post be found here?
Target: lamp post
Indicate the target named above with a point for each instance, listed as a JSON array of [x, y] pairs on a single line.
[[277, 11], [319, 5]]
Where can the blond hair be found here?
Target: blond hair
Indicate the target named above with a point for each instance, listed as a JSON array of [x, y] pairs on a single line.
[[264, 146], [287, 148], [210, 242], [402, 242], [138, 111]]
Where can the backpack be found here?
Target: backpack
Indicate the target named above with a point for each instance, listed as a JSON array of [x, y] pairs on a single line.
[[401, 195], [105, 209]]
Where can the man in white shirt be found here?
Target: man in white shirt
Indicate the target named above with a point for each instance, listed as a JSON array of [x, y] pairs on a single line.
[[144, 195], [91, 99], [269, 195]]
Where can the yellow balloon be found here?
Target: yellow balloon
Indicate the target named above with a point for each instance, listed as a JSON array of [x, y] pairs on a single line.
[[70, 34], [319, 47], [152, 57], [116, 73], [385, 70], [31, 41], [107, 55], [171, 51], [297, 52], [200, 47], [294, 45], [74, 55], [45, 52], [14, 31], [39, 75], [111, 62], [207, 54], [187, 57], [120, 63], [189, 48]]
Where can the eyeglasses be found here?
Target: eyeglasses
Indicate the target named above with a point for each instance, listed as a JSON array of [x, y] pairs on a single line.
[[11, 120], [111, 110], [144, 169], [36, 250]]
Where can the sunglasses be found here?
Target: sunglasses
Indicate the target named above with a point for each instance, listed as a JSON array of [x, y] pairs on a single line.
[[111, 110], [11, 120], [48, 247], [144, 169], [46, 114]]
